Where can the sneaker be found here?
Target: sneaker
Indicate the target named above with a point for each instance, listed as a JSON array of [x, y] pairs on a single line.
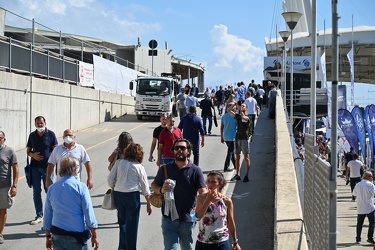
[[246, 179], [36, 221], [371, 241], [236, 178], [1, 239]]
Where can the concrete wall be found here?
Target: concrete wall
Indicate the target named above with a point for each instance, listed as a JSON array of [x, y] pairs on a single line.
[[289, 226], [63, 105]]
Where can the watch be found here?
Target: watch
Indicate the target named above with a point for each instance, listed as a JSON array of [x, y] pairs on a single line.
[[14, 186]]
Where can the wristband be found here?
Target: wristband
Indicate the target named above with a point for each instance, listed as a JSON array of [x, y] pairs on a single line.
[[48, 236]]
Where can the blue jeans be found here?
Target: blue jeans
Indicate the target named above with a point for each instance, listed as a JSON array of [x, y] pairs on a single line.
[[166, 160], [65, 242], [128, 206], [38, 175], [204, 118], [230, 155], [225, 245], [175, 230]]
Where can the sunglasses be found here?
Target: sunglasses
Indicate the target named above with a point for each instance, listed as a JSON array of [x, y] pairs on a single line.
[[176, 148]]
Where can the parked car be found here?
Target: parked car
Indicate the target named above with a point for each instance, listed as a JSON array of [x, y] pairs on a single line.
[[200, 96]]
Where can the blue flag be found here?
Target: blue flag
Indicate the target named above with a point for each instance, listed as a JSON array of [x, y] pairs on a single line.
[[361, 130], [369, 131], [346, 123]]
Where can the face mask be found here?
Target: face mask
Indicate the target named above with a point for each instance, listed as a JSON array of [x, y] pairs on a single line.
[[41, 129], [68, 140]]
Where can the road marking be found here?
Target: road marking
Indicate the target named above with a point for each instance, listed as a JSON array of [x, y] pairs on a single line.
[[110, 139]]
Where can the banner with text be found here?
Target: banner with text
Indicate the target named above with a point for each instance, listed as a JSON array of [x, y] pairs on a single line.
[[370, 122], [346, 123], [361, 130], [86, 74]]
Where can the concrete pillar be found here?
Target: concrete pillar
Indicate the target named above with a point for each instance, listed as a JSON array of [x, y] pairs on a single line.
[[2, 22]]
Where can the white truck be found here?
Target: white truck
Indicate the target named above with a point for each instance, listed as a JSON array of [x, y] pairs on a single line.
[[156, 95]]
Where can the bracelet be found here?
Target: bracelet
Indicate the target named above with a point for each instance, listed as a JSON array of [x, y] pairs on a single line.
[[161, 191], [235, 242], [48, 236]]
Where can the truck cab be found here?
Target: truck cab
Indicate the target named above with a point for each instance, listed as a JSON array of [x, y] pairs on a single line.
[[155, 95]]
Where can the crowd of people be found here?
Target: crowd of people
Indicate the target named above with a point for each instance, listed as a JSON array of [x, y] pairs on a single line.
[[68, 216]]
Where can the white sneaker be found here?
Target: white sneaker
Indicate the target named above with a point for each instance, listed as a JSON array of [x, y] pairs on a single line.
[[1, 239], [36, 221]]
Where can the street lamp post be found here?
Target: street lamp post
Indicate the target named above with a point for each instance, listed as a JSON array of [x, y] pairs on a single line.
[[284, 35], [291, 19]]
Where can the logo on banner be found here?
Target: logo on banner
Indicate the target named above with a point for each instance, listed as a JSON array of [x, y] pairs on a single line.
[[306, 62], [359, 122]]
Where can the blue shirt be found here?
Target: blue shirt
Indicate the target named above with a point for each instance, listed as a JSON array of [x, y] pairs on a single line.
[[230, 124], [191, 101], [43, 144], [241, 91], [68, 206], [189, 180], [191, 125]]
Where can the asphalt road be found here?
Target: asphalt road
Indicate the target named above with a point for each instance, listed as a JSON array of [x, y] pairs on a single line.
[[253, 201]]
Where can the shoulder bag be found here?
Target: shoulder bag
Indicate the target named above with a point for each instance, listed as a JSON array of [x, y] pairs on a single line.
[[108, 201], [28, 173], [110, 166], [157, 199]]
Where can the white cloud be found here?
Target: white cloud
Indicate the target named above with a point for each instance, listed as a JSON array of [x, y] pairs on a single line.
[[234, 59]]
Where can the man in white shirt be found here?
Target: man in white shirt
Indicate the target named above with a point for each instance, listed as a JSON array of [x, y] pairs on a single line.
[[251, 110], [69, 149], [364, 191], [354, 167]]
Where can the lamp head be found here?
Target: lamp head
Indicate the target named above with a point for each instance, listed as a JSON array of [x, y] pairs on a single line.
[[291, 18], [284, 35]]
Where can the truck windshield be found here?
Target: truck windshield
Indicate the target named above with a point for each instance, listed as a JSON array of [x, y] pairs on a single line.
[[153, 87]]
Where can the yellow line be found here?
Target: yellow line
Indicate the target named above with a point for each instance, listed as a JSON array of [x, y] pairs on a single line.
[[110, 139]]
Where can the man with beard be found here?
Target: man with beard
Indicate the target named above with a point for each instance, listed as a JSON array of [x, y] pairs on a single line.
[[156, 133], [184, 181]]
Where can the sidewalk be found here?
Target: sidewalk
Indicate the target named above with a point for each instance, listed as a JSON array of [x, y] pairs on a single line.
[[347, 218]]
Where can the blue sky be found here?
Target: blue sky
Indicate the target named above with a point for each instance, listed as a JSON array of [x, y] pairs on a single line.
[[228, 37]]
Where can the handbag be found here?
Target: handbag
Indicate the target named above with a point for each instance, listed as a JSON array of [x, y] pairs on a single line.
[[157, 199], [110, 166], [108, 201], [28, 173]]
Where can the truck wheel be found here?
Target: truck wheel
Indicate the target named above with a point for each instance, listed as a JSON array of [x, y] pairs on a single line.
[[139, 117]]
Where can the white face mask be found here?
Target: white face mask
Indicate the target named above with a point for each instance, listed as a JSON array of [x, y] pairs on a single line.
[[41, 129], [68, 139]]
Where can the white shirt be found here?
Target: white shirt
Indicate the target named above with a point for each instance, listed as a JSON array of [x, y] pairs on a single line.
[[77, 152], [127, 176], [364, 191], [355, 168], [251, 106], [261, 92]]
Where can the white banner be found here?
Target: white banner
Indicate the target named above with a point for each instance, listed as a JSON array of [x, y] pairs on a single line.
[[323, 71], [350, 56], [86, 74], [301, 63], [113, 77]]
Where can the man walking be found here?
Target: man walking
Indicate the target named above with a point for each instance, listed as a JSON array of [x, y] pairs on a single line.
[[242, 139], [207, 106], [69, 215], [39, 147], [181, 102], [365, 191], [177, 224], [8, 181], [251, 110], [354, 168], [191, 100], [191, 126], [155, 135], [219, 96], [69, 149], [166, 139], [228, 134]]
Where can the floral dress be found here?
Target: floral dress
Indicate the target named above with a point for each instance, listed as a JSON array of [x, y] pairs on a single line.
[[213, 225]]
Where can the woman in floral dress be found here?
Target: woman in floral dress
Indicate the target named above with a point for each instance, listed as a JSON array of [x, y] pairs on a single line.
[[215, 211]]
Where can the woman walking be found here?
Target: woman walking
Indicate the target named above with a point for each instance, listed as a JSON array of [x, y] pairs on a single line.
[[127, 178], [123, 141]]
